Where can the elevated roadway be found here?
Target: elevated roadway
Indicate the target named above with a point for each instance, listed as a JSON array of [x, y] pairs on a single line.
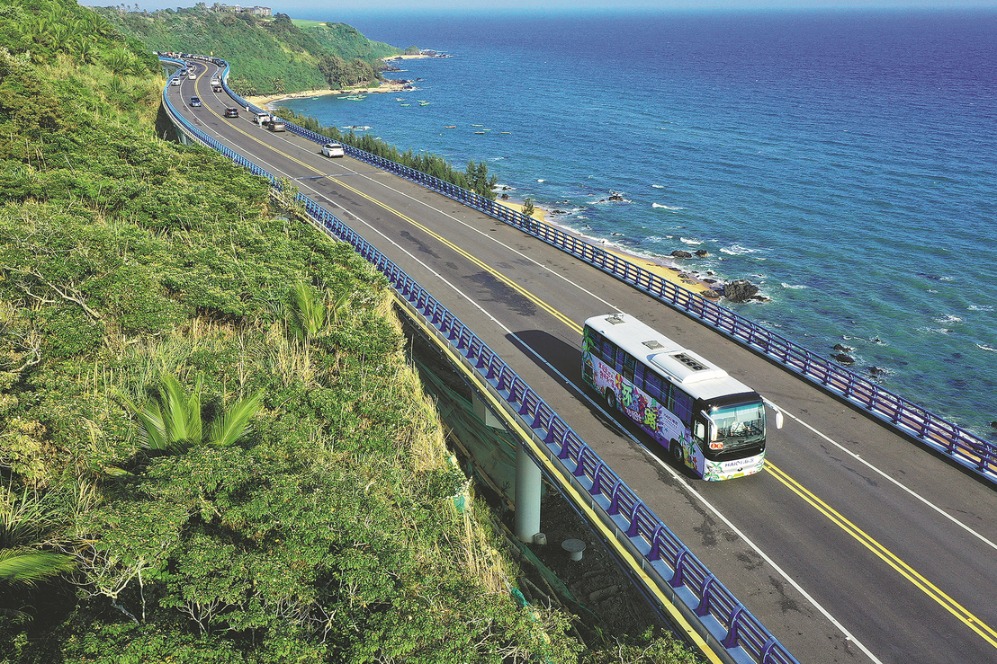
[[854, 545]]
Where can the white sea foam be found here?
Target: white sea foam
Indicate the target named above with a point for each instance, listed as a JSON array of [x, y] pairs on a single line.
[[948, 318], [690, 241], [981, 307], [793, 286], [541, 180], [658, 186], [737, 250], [986, 347], [670, 208]]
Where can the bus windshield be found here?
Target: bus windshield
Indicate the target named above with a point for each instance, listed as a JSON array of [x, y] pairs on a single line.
[[738, 426]]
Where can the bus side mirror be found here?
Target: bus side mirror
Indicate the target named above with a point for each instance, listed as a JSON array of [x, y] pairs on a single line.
[[779, 419]]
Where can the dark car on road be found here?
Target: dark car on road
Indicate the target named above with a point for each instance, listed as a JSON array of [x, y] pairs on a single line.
[[231, 112]]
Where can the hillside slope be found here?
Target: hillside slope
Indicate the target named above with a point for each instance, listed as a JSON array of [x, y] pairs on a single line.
[[274, 56], [211, 446]]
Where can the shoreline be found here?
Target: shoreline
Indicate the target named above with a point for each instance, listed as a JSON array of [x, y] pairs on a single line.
[[386, 85], [666, 270]]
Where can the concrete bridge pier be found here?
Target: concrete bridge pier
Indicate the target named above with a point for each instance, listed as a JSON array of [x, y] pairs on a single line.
[[529, 486], [528, 490]]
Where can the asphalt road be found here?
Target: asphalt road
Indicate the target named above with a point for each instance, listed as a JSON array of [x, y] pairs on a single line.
[[854, 545]]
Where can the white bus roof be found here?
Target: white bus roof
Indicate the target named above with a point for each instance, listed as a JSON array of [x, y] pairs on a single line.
[[694, 373]]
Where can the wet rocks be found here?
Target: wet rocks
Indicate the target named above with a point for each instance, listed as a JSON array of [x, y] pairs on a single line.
[[740, 290], [680, 253]]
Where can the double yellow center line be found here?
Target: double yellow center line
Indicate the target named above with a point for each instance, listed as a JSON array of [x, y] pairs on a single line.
[[906, 571]]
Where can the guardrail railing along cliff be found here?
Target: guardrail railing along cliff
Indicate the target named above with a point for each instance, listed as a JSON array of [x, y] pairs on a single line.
[[712, 609], [962, 446]]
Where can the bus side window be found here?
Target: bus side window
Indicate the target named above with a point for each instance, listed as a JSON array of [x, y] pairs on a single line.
[[683, 406], [639, 375], [607, 351], [629, 362], [667, 395], [699, 431], [652, 385]]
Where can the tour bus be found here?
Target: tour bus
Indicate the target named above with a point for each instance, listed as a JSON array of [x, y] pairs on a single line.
[[706, 419]]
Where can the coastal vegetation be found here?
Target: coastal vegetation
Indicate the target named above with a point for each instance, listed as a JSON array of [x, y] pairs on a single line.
[[275, 54], [475, 177], [212, 447]]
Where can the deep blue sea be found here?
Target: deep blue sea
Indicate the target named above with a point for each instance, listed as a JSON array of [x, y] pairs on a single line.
[[845, 162]]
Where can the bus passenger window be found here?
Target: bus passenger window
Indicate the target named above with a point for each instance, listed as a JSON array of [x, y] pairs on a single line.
[[628, 367], [652, 385]]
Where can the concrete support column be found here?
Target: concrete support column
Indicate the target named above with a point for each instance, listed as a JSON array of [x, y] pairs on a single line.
[[528, 488]]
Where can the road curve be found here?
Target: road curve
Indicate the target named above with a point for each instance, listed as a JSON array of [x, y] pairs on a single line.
[[854, 545]]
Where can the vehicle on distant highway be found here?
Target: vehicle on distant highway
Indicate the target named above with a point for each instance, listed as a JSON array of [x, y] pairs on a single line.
[[333, 150], [231, 112], [175, 81], [195, 102], [276, 124], [262, 119], [215, 81], [191, 75], [708, 421]]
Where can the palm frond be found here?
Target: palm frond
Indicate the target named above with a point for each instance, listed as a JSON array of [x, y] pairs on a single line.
[[233, 424], [181, 411], [27, 566]]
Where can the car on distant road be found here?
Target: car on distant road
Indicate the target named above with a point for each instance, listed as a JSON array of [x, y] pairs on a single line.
[[195, 102], [175, 81], [276, 125], [192, 76], [231, 112], [333, 150]]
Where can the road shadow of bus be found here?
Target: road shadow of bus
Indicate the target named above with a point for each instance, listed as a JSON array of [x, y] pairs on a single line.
[[561, 360]]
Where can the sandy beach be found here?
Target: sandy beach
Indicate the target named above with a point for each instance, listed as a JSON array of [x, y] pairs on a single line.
[[664, 270], [386, 85]]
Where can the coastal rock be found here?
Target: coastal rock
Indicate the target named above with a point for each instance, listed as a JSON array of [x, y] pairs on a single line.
[[877, 372], [679, 253], [702, 253], [842, 348], [740, 290], [843, 358], [615, 196], [993, 425]]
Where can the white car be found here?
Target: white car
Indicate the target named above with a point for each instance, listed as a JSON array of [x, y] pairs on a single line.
[[333, 150]]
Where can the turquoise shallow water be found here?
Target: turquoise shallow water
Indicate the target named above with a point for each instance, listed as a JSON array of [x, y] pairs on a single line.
[[843, 162]]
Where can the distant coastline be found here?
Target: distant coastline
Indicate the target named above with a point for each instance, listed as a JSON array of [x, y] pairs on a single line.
[[386, 85]]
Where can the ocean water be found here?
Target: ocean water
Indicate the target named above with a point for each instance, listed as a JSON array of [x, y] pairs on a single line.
[[844, 162]]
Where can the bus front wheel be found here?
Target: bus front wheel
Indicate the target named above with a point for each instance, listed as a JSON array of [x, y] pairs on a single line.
[[610, 399], [677, 452]]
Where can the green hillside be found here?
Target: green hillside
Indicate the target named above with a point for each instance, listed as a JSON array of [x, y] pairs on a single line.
[[274, 55], [211, 445]]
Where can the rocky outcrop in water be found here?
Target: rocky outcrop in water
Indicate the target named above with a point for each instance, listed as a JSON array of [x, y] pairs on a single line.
[[740, 290]]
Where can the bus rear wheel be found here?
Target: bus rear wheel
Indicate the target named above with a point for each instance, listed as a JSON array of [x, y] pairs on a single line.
[[610, 399]]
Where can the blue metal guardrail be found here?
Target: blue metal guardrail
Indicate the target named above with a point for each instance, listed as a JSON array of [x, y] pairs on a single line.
[[962, 446], [678, 573]]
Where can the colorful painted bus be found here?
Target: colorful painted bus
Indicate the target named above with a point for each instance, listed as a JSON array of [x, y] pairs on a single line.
[[707, 420]]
